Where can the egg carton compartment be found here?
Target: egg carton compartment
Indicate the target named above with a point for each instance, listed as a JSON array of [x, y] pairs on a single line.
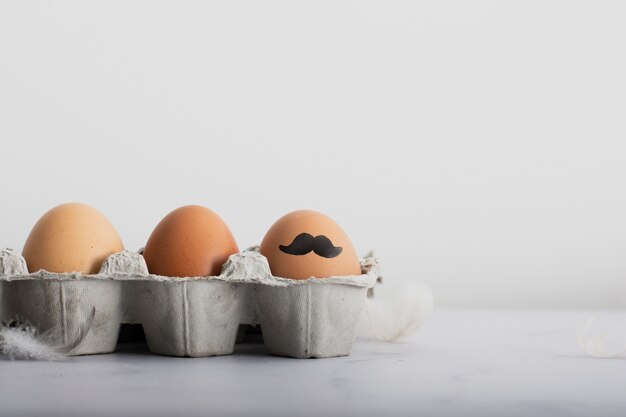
[[192, 317]]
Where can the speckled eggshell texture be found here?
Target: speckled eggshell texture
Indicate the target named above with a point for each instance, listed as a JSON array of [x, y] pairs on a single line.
[[191, 241], [72, 237]]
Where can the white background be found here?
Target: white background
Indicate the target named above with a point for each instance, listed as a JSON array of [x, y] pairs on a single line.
[[479, 146]]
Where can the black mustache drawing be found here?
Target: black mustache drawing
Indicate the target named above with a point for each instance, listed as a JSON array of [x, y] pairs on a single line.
[[305, 243]]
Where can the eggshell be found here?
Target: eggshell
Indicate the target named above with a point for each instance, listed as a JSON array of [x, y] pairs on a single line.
[[72, 237], [309, 231], [191, 241]]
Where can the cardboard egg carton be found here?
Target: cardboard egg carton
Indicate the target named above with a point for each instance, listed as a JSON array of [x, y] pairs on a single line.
[[192, 317]]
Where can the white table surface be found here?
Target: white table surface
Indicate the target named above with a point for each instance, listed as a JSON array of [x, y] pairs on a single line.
[[471, 363]]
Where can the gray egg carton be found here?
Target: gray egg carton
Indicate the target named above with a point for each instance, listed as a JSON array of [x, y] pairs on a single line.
[[192, 317]]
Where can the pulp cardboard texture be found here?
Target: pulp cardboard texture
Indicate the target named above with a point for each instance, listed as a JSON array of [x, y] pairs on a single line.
[[188, 316]]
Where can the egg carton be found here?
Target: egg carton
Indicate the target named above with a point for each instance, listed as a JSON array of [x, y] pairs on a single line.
[[192, 317]]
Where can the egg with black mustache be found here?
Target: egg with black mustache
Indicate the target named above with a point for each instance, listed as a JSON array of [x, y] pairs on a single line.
[[305, 244]]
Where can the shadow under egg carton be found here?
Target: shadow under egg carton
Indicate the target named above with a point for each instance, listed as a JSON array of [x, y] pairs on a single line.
[[192, 317]]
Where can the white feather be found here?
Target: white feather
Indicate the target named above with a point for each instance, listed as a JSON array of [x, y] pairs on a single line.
[[24, 342], [594, 344], [21, 340], [398, 311]]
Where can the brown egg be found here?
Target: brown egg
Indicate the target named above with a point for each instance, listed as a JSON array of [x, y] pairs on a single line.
[[305, 244], [72, 237], [191, 241]]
